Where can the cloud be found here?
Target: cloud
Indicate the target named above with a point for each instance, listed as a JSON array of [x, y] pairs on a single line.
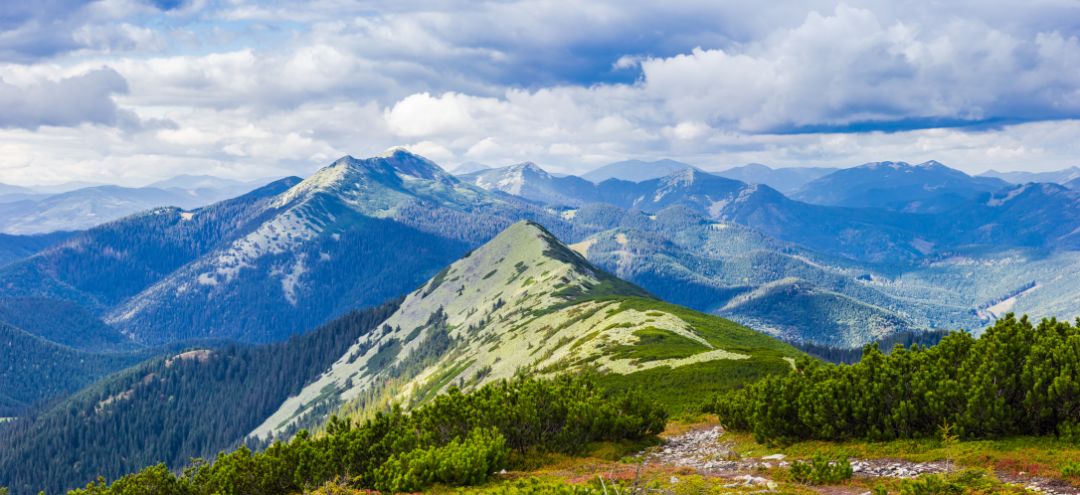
[[232, 87], [85, 98], [41, 29], [847, 71]]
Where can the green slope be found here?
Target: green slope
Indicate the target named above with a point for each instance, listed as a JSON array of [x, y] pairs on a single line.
[[525, 303]]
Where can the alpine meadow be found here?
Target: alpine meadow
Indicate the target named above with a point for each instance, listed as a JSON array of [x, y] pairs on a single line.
[[532, 247]]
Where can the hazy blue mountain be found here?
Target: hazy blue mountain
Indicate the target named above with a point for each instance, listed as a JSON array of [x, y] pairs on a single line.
[[1037, 215], [635, 170], [10, 189], [11, 194], [926, 187], [786, 179], [1073, 184], [62, 322], [726, 268], [16, 247], [85, 207], [65, 186], [471, 167], [82, 208], [1022, 177], [196, 182], [529, 181]]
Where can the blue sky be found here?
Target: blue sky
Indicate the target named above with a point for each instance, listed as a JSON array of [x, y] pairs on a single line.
[[130, 91]]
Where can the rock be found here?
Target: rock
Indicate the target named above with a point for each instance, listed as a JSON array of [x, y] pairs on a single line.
[[774, 457]]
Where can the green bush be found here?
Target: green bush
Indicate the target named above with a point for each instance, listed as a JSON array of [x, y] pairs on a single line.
[[1016, 379], [156, 480], [458, 463], [966, 481], [455, 439], [534, 486], [1071, 469], [821, 471]]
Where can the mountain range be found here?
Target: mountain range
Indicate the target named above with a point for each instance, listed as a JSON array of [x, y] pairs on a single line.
[[521, 303], [786, 180], [33, 211], [928, 187], [296, 253], [635, 170], [298, 291], [1062, 176]]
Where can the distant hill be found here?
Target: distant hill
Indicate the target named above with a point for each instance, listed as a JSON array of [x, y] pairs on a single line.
[[529, 181], [62, 322], [470, 167], [16, 247], [34, 369], [1021, 177], [86, 207], [635, 170], [786, 179], [923, 188]]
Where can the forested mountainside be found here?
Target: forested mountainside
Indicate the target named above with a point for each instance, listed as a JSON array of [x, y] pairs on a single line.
[[62, 322], [17, 247], [169, 409], [33, 370], [105, 265], [524, 302]]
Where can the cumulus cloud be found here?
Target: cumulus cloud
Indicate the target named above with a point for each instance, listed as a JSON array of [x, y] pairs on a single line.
[[848, 68], [86, 98], [231, 87]]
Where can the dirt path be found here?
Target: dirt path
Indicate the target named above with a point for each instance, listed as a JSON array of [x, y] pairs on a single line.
[[705, 451]]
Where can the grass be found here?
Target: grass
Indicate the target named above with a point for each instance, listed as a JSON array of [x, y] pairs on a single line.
[[722, 333], [685, 390], [655, 344]]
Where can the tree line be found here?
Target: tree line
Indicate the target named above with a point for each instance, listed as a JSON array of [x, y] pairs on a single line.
[[457, 438], [1017, 378], [169, 410]]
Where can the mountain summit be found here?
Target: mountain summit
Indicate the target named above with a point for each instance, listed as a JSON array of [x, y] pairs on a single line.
[[922, 188], [355, 233], [529, 181], [521, 302]]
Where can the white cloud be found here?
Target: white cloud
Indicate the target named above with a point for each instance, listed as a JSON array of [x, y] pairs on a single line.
[[236, 87], [85, 98]]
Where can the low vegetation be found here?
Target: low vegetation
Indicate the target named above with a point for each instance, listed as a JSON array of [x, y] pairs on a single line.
[[821, 470], [456, 439], [1016, 379]]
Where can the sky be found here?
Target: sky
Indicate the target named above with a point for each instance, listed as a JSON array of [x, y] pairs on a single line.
[[130, 91]]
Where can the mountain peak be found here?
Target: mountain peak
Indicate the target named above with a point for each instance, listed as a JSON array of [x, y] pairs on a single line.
[[508, 305], [529, 167], [635, 170], [885, 164]]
